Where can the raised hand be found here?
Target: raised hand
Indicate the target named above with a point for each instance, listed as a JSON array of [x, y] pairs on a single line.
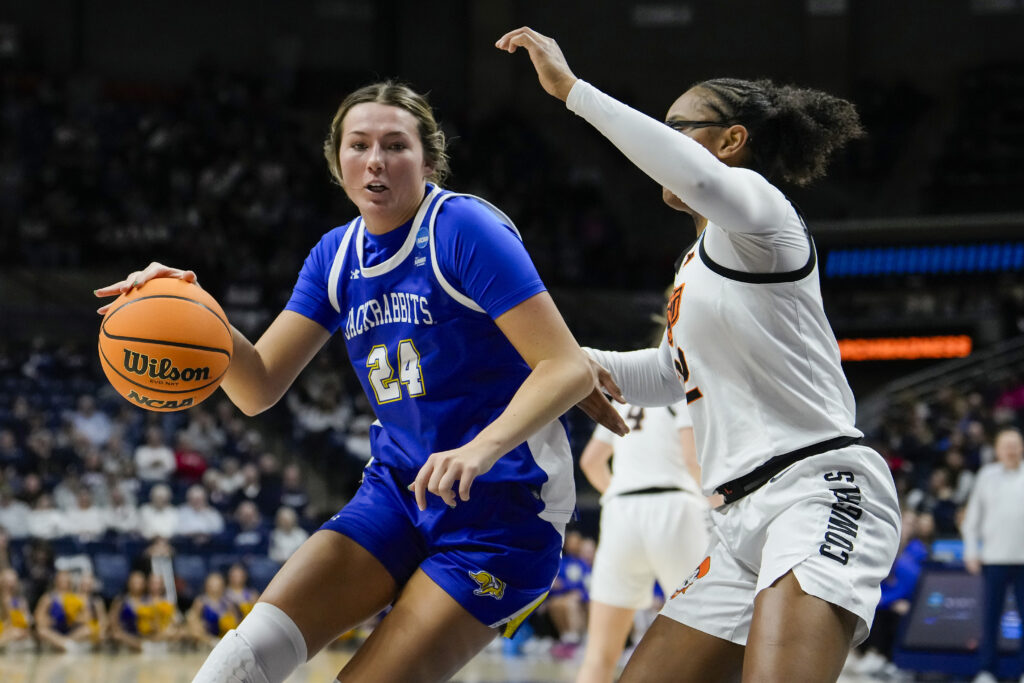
[[552, 69], [139, 277]]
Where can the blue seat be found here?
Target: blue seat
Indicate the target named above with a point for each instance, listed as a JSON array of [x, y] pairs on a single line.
[[111, 571], [261, 571], [192, 570], [219, 562]]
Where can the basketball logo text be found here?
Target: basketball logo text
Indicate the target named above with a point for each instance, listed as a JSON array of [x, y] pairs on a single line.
[[842, 521], [158, 403], [489, 584], [161, 368]]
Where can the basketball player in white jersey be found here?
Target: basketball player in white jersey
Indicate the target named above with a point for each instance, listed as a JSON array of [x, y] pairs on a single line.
[[810, 524], [652, 524]]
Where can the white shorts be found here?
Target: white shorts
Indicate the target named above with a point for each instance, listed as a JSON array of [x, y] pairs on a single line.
[[647, 537], [833, 519]]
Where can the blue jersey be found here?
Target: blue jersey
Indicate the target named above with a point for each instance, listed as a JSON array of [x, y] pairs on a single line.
[[416, 307]]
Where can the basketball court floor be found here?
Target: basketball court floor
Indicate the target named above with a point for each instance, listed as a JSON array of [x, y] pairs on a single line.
[[488, 667]]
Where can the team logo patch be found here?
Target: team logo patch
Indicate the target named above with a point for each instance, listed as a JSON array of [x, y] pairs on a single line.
[[699, 573], [672, 311], [489, 584]]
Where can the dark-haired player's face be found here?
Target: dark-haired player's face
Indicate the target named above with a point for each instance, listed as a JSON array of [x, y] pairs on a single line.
[[690, 107], [382, 164]]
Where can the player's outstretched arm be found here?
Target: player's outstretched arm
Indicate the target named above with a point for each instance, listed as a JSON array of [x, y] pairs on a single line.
[[737, 199], [260, 373], [561, 377]]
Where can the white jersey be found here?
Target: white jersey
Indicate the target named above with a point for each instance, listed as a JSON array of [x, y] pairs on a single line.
[[758, 361], [651, 454], [748, 343]]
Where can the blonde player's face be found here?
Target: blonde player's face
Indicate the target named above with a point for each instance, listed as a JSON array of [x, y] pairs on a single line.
[[383, 169], [690, 107]]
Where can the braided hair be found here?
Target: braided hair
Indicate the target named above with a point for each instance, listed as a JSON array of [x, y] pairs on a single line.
[[793, 132]]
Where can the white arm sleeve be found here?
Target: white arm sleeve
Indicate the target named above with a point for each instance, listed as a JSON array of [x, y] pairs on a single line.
[[647, 377], [762, 230]]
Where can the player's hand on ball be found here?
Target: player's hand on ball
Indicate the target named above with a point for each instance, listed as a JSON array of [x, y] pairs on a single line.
[[552, 69], [600, 408], [139, 277], [441, 470]]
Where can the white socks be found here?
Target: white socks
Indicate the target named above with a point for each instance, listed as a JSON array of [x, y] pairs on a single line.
[[266, 648]]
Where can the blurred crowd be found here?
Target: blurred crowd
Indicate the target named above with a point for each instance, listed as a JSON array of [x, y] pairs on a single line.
[[128, 527]]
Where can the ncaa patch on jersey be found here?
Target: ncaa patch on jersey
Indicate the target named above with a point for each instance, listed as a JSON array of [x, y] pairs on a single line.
[[422, 237]]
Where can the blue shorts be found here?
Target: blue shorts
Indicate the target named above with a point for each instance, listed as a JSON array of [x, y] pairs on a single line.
[[493, 554]]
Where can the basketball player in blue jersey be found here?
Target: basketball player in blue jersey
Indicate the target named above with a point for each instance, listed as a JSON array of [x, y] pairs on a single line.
[[468, 366], [810, 524]]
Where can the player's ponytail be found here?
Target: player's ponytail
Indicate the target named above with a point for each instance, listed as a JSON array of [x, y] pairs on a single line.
[[793, 131]]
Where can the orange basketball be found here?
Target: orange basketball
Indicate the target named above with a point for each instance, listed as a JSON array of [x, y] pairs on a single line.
[[165, 345]]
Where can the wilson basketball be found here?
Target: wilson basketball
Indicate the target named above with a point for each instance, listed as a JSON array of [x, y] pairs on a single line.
[[166, 345]]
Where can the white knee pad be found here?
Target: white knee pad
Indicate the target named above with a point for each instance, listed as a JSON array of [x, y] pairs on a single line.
[[266, 648], [231, 661]]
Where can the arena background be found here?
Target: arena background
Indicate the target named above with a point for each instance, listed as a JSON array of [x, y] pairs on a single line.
[[190, 133]]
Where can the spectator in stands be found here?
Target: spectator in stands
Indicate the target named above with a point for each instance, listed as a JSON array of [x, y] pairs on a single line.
[[85, 521], [15, 613], [212, 614], [5, 549], [11, 454], [197, 520], [45, 520], [46, 459], [122, 516], [203, 432], [14, 514], [118, 457], [91, 423], [158, 518], [231, 478], [961, 478], [38, 570], [993, 520], [897, 591], [65, 493], [167, 621], [269, 498], [214, 493], [293, 491], [154, 459], [62, 616], [238, 589], [287, 535], [93, 477], [31, 489], [250, 534], [937, 500], [252, 485], [131, 615], [189, 463], [95, 608]]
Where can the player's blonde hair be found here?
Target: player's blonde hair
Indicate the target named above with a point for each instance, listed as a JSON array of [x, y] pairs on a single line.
[[399, 95]]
